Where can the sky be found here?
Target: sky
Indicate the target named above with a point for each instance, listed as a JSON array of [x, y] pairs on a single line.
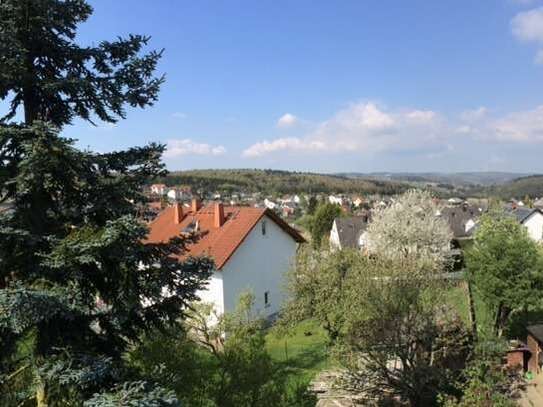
[[335, 86]]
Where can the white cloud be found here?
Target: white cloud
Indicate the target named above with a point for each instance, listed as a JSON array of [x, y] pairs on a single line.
[[179, 115], [291, 144], [474, 114], [361, 127], [528, 25], [523, 127], [287, 120], [369, 128], [180, 147]]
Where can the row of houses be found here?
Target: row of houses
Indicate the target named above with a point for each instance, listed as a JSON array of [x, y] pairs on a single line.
[[462, 217]]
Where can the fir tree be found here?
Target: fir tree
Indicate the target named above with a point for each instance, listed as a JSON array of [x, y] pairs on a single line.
[[78, 282], [54, 79]]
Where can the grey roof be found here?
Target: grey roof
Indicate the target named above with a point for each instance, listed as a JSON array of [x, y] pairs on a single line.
[[536, 331], [458, 216], [521, 212], [349, 230]]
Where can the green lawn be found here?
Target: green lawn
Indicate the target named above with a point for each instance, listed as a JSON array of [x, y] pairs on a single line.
[[304, 351], [457, 296]]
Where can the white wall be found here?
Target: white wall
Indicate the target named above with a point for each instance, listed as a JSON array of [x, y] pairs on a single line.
[[334, 237], [534, 224], [259, 265], [213, 292]]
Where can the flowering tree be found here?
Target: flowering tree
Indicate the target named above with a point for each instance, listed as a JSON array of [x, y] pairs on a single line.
[[411, 227]]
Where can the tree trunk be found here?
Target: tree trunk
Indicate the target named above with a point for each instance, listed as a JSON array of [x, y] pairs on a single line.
[[41, 395]]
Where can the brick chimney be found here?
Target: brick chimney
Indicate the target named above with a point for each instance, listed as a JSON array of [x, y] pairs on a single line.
[[218, 215], [195, 205], [177, 213]]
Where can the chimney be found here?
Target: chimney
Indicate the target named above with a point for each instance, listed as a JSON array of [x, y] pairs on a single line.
[[195, 206], [178, 213], [218, 215]]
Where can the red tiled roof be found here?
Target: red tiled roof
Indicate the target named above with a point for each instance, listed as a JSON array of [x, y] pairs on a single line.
[[217, 243]]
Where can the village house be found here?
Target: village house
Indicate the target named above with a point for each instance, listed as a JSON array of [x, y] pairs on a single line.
[[158, 189], [461, 219], [252, 249], [349, 233], [531, 218]]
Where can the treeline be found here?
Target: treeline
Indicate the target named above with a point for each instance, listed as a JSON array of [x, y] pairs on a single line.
[[531, 186], [278, 182]]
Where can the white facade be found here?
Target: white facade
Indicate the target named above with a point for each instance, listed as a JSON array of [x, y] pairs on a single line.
[[269, 204], [534, 224], [258, 265], [335, 243]]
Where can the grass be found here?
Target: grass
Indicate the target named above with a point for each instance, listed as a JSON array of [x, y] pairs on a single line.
[[457, 296], [304, 351]]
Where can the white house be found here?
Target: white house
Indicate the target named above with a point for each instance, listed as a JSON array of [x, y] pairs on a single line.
[[158, 189], [532, 219], [269, 204], [335, 200], [349, 233], [252, 249]]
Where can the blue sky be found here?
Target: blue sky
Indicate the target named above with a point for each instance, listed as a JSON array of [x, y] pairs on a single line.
[[374, 85]]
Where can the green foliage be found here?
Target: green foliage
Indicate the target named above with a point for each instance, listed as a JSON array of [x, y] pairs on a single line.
[[134, 394], [321, 222], [277, 182], [484, 383], [398, 341], [317, 288], [225, 363], [505, 267], [71, 256], [55, 80]]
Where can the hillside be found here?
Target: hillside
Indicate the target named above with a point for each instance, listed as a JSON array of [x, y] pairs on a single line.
[[453, 178], [517, 188], [280, 182]]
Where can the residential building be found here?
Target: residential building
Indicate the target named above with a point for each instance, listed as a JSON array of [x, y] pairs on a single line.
[[531, 218], [349, 233], [252, 249]]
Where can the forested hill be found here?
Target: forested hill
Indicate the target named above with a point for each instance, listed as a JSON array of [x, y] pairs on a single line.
[[517, 188], [280, 182]]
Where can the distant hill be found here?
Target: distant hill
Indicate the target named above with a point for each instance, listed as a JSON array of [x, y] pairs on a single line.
[[518, 188], [455, 178], [280, 182]]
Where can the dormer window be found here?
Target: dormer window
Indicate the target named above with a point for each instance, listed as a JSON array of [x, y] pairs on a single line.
[[263, 224]]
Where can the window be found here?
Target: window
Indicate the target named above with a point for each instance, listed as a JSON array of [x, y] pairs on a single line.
[[267, 299], [263, 228]]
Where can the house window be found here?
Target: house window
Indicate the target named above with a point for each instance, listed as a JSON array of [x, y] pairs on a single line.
[[263, 228], [267, 299]]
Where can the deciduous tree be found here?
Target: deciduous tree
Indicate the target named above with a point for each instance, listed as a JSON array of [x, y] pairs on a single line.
[[411, 227], [505, 266]]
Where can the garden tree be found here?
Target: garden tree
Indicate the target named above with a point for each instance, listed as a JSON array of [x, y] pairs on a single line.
[[484, 382], [410, 227], [505, 266], [397, 341], [222, 361], [312, 205], [74, 294], [321, 222], [316, 287], [78, 283], [56, 80]]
